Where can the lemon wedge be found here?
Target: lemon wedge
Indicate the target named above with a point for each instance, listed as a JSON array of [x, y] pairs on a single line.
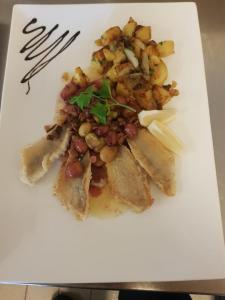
[[166, 136], [164, 116]]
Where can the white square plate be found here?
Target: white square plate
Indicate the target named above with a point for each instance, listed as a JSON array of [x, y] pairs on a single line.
[[179, 238]]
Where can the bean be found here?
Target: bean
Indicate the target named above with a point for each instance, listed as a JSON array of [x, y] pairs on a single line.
[[93, 159], [69, 90], [95, 191], [128, 113], [74, 169], [102, 130], [111, 138], [87, 113], [99, 163], [97, 83], [80, 145], [114, 126], [70, 109], [84, 129], [130, 130], [92, 140], [121, 100], [121, 138], [107, 153], [121, 121], [82, 116], [98, 173]]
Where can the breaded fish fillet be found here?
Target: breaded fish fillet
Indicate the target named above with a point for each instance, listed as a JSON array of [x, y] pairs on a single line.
[[74, 192], [38, 157], [128, 181], [157, 161]]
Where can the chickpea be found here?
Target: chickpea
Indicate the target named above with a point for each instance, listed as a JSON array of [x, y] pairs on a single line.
[[84, 129], [101, 144], [92, 140], [107, 153]]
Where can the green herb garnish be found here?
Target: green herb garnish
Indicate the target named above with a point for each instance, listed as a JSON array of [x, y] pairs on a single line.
[[84, 99], [105, 90], [101, 109]]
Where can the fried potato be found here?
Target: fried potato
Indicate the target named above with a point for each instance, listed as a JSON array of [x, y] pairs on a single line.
[[96, 66], [124, 69], [138, 45], [161, 95], [112, 73], [129, 28], [122, 90], [143, 33], [98, 55], [165, 48], [109, 55], [145, 100], [160, 73], [119, 56], [79, 77], [111, 34]]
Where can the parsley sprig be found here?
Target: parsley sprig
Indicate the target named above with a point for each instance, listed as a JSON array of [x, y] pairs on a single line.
[[102, 108]]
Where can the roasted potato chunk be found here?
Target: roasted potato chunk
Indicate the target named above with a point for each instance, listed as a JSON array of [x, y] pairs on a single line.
[[124, 69], [160, 73], [119, 56], [98, 42], [98, 55], [152, 50], [138, 46], [122, 90], [161, 95], [165, 48], [109, 55], [154, 60], [96, 67], [129, 28], [144, 62], [111, 34], [112, 73], [143, 33], [80, 78], [144, 99]]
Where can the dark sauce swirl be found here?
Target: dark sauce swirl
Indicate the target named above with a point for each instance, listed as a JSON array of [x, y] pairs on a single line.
[[34, 44]]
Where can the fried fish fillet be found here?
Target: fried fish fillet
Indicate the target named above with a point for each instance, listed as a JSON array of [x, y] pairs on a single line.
[[37, 158], [74, 192], [128, 181], [157, 161]]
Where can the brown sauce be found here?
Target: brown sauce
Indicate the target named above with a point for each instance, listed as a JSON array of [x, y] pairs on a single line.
[[32, 47]]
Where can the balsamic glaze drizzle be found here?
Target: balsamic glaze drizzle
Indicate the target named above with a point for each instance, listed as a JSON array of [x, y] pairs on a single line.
[[36, 42]]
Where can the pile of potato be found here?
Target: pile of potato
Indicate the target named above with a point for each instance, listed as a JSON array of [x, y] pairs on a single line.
[[133, 63]]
